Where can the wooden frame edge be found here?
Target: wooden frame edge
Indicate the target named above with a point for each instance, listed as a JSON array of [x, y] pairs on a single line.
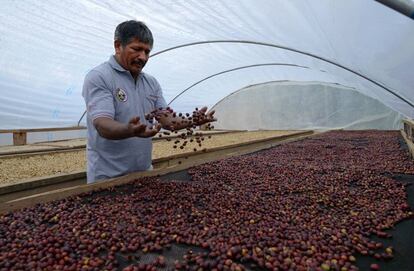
[[409, 143], [197, 159]]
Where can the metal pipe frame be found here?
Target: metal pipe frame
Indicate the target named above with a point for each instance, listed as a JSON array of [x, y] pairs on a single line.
[[405, 7], [292, 50], [234, 69]]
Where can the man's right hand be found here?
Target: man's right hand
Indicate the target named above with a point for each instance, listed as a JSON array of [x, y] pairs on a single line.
[[139, 129]]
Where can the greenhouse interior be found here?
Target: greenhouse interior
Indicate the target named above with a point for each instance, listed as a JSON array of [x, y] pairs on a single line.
[[233, 135]]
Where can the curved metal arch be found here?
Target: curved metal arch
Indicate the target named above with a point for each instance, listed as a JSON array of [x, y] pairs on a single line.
[[273, 81], [292, 50], [285, 48], [222, 72], [231, 70]]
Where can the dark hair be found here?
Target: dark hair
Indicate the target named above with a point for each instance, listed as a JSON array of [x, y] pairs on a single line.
[[128, 30]]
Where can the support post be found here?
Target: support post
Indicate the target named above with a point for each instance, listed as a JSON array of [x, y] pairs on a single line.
[[19, 138]]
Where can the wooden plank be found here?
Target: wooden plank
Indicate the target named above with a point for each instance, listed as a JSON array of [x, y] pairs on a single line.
[[41, 189], [33, 149], [168, 166], [39, 182], [40, 150], [51, 129]]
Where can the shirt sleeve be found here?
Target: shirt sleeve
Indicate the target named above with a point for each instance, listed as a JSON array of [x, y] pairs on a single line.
[[98, 97], [160, 102]]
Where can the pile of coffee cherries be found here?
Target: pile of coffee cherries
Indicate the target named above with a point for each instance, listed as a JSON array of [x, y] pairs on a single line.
[[308, 205]]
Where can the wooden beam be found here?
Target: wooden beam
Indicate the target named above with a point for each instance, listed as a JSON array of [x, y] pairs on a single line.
[[18, 152], [37, 182], [20, 135], [33, 130]]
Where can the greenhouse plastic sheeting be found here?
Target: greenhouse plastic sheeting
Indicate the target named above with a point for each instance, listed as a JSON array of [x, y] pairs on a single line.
[[321, 106], [48, 47]]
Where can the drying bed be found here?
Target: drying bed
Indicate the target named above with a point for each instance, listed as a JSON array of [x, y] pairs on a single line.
[[17, 169], [336, 201]]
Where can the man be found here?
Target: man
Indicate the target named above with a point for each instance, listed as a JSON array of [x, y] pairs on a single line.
[[119, 98]]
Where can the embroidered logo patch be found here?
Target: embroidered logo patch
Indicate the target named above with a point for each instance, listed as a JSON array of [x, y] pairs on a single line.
[[121, 95]]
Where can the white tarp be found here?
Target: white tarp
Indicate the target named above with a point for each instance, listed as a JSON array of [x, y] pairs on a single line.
[[48, 46]]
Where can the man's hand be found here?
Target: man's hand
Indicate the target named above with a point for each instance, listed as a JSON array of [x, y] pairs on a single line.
[[173, 121], [111, 129], [200, 117], [141, 130], [170, 120]]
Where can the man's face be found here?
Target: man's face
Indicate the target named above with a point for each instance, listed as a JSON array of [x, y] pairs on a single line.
[[133, 56]]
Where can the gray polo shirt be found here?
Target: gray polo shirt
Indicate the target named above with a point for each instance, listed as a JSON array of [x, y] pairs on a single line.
[[110, 91]]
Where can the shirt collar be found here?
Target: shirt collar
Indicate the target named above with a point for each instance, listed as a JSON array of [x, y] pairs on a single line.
[[115, 65]]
